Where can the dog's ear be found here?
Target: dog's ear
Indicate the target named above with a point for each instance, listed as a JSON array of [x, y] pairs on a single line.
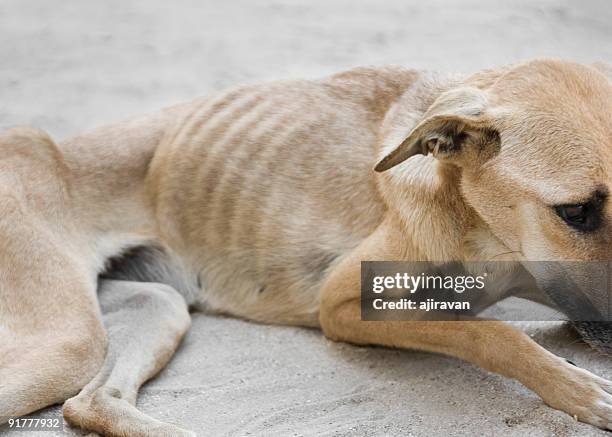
[[443, 128]]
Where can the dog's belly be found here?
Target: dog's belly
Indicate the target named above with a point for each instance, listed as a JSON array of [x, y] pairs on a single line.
[[263, 190]]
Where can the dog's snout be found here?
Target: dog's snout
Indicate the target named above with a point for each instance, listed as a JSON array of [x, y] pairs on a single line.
[[572, 301], [581, 290], [597, 334]]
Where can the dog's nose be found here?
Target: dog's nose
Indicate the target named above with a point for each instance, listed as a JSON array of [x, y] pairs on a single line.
[[597, 334]]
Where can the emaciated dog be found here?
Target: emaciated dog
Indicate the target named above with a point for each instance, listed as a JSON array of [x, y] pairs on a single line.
[[260, 203]]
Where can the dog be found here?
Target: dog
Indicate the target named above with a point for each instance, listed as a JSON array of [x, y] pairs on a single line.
[[261, 202]]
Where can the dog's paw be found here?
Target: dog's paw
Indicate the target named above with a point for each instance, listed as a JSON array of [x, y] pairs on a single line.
[[104, 412], [578, 392]]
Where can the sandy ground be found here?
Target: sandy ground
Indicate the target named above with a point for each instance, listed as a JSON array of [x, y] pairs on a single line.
[[72, 65]]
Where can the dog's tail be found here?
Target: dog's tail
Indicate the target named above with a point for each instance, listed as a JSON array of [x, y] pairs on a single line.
[[153, 264]]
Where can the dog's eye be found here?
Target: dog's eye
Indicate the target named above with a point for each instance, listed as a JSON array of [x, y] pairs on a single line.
[[572, 213], [583, 217]]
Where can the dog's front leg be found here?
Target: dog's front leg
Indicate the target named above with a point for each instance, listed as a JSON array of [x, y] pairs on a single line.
[[492, 345]]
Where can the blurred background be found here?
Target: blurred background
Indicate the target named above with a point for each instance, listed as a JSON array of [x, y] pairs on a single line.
[[68, 66]]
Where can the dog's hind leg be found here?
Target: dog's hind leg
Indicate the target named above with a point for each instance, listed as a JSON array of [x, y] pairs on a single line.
[[145, 322], [52, 339]]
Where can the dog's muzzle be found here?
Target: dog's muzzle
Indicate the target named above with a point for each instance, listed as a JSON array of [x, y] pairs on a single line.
[[598, 335], [582, 293]]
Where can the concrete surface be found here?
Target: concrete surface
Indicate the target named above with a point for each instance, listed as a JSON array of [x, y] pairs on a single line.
[[69, 66]]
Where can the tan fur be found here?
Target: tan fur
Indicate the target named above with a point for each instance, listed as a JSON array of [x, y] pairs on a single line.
[[267, 196]]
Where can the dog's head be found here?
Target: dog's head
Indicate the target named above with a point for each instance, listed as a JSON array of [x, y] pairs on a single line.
[[534, 145]]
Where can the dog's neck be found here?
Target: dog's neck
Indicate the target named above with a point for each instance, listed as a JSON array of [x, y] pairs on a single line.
[[426, 194]]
